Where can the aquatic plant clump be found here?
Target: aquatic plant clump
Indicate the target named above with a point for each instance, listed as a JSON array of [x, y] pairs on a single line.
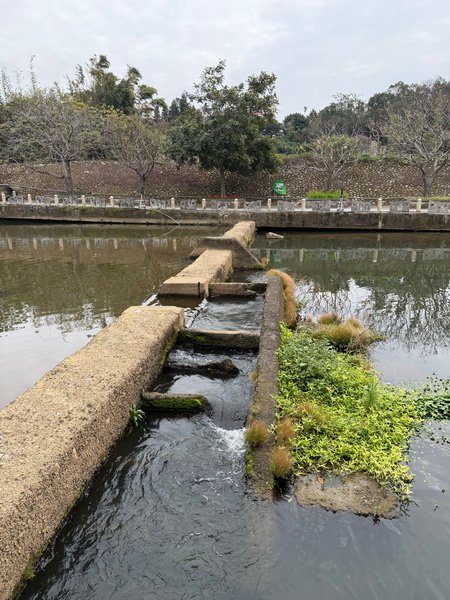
[[349, 336], [345, 420]]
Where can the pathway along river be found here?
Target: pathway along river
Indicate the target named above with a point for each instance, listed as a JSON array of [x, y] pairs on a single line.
[[168, 516]]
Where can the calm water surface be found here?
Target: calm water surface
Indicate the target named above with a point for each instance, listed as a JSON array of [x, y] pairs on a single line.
[[60, 284], [168, 516]]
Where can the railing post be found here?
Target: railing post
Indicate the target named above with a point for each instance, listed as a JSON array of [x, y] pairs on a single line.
[[303, 205], [203, 203], [111, 200], [269, 203], [380, 204], [172, 203], [83, 200], [29, 198], [55, 197], [14, 193], [419, 205], [236, 204], [3, 197]]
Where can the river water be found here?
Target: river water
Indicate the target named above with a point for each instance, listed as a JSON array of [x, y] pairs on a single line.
[[168, 516]]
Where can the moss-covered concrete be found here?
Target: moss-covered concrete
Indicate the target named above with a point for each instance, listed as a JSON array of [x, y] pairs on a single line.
[[55, 435], [173, 402]]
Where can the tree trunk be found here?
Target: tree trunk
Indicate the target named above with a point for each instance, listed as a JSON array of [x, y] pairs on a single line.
[[427, 182], [222, 183], [143, 182], [68, 176]]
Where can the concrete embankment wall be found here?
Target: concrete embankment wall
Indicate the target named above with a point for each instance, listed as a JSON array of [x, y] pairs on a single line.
[[55, 435], [264, 219]]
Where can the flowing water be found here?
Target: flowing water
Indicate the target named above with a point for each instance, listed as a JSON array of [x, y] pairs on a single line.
[[168, 516]]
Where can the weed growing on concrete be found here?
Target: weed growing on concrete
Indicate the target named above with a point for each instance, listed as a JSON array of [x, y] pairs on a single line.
[[345, 419], [136, 415], [281, 463], [256, 434], [290, 302]]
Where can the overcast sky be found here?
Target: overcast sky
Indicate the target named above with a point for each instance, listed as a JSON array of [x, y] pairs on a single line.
[[316, 48]]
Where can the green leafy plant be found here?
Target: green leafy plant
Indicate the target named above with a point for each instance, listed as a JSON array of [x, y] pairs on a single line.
[[345, 419], [433, 399], [136, 415]]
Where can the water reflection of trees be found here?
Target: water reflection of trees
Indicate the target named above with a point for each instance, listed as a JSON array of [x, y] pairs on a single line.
[[79, 282], [403, 293]]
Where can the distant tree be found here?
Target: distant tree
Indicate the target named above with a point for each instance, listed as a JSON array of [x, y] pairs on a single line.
[[295, 127], [333, 155], [53, 127], [345, 116], [224, 131], [137, 143], [417, 127], [98, 86], [178, 107]]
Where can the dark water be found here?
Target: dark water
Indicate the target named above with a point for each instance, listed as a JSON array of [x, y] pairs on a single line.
[[168, 517], [60, 284]]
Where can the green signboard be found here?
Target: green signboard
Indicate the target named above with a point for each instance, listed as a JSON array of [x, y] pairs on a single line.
[[279, 187]]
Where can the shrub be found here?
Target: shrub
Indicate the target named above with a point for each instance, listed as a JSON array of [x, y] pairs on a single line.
[[256, 434], [324, 194], [285, 430], [281, 463], [290, 301]]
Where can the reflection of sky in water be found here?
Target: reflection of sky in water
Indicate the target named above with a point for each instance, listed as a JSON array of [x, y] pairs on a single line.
[[398, 284]]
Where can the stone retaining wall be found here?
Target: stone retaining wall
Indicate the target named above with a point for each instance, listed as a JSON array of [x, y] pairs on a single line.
[[55, 435], [264, 218]]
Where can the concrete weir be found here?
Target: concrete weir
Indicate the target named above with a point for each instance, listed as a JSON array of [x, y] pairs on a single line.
[[216, 258], [55, 435]]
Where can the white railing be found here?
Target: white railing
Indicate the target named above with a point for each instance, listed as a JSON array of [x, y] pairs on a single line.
[[352, 205]]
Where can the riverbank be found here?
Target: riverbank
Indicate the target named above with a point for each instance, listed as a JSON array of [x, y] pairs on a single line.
[[285, 217]]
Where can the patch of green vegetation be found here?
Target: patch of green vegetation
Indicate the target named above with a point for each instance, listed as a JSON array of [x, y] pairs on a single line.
[[249, 465], [186, 335], [324, 195], [344, 419], [136, 415], [433, 399]]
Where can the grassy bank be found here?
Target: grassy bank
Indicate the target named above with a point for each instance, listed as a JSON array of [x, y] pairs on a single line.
[[339, 416]]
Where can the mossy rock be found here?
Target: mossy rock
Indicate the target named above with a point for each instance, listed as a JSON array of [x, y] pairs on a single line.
[[173, 402]]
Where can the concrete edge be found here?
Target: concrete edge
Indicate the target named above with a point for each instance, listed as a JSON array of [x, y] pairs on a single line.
[[55, 436], [263, 406]]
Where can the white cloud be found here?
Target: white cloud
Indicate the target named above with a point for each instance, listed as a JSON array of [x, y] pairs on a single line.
[[316, 47]]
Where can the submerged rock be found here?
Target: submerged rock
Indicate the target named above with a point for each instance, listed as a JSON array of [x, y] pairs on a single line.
[[215, 368], [173, 402]]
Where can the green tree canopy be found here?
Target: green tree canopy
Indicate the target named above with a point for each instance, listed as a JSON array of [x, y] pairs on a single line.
[[223, 129]]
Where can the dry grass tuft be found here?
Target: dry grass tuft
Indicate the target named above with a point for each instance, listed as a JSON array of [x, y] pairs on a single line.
[[264, 262], [290, 302], [285, 430], [281, 463], [350, 335], [329, 319], [256, 434]]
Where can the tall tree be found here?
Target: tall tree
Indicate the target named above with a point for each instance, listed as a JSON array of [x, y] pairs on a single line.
[[224, 130], [98, 86], [417, 127], [137, 144], [55, 128]]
